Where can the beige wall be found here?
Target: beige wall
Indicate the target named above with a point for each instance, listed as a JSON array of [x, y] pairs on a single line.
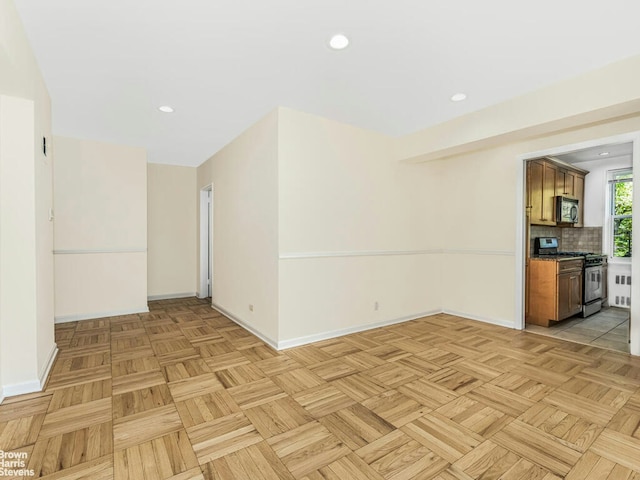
[[171, 228], [244, 175], [482, 154], [480, 261], [327, 297], [26, 176], [100, 241], [355, 228], [346, 213], [314, 222], [595, 184], [18, 287], [479, 210]]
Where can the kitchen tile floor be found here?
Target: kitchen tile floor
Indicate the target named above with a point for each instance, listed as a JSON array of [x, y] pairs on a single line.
[[608, 328]]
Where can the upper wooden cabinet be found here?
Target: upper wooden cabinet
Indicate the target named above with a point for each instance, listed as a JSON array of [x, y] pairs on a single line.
[[566, 183], [578, 190], [541, 186], [546, 179]]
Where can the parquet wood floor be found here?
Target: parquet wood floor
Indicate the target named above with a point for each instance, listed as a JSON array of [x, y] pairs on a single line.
[[184, 393]]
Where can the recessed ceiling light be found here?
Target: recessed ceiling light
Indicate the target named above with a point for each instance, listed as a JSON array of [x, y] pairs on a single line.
[[458, 97], [338, 41], [166, 109], [603, 154]]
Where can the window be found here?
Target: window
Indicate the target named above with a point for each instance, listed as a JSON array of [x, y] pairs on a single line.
[[621, 183]]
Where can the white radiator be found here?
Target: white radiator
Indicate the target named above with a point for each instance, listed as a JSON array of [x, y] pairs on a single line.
[[619, 283]]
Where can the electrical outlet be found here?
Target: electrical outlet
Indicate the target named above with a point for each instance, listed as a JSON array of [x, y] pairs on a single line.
[[250, 307], [376, 306]]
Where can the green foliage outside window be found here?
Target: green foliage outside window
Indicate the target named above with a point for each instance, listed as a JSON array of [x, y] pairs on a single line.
[[621, 206]]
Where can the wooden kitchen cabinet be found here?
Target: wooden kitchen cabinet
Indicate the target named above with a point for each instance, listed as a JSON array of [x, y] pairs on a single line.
[[541, 187], [578, 190], [569, 294], [566, 182], [546, 179], [555, 290]]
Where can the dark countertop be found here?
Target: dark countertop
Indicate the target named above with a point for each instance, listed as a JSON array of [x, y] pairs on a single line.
[[555, 258]]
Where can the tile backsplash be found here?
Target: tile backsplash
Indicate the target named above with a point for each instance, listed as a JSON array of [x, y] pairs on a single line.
[[585, 239]]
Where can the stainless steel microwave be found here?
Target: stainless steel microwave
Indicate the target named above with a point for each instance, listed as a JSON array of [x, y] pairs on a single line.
[[566, 210]]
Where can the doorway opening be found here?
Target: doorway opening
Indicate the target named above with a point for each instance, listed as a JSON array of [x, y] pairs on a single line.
[[205, 286], [595, 229]]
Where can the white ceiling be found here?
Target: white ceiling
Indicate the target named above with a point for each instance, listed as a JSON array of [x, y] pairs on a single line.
[[594, 153], [223, 64]]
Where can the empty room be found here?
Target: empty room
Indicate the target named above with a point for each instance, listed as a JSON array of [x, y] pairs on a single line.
[[319, 240]]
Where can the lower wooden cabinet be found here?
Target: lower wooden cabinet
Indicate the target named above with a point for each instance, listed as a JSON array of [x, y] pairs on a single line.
[[555, 290], [569, 294]]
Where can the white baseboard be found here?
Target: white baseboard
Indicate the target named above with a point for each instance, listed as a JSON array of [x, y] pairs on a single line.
[[273, 344], [44, 373], [169, 296], [21, 388], [492, 321], [31, 386], [90, 316], [296, 342]]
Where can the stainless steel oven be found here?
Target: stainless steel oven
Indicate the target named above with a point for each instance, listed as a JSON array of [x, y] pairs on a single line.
[[592, 281]]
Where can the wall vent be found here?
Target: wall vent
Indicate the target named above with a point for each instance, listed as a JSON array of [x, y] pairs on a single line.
[[622, 301], [623, 279]]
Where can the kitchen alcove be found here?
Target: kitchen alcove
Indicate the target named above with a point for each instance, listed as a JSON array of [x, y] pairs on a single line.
[[610, 328]]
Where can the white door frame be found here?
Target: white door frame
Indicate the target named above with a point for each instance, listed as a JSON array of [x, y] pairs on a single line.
[[205, 283], [521, 241]]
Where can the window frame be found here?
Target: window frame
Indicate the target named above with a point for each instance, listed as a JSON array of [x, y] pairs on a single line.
[[612, 180]]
